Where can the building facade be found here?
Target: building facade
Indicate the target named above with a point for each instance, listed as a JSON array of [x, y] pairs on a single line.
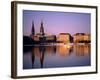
[[87, 37], [64, 37], [81, 38]]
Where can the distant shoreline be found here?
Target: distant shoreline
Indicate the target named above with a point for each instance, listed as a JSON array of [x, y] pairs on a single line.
[[59, 44]]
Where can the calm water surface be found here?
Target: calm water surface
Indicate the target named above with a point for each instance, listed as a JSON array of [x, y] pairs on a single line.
[[52, 56]]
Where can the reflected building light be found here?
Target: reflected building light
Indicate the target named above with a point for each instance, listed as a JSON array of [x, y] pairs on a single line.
[[63, 50], [87, 49], [50, 50], [36, 51], [82, 50]]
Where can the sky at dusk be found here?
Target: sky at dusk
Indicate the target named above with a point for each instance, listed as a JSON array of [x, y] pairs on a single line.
[[56, 22]]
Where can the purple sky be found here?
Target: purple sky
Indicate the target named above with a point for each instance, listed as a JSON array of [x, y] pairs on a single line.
[[56, 22]]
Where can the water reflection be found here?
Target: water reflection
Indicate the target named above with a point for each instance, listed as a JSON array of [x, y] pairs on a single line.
[[56, 56], [82, 50], [64, 50]]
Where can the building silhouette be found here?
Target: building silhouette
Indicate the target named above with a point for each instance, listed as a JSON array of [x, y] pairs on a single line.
[[42, 37], [42, 29], [33, 29]]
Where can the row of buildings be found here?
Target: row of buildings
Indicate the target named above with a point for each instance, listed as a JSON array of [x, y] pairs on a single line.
[[76, 38], [60, 38]]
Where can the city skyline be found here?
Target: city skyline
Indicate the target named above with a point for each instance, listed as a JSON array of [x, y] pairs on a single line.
[[61, 34], [56, 22]]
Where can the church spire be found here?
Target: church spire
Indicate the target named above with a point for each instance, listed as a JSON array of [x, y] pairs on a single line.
[[42, 29], [33, 30]]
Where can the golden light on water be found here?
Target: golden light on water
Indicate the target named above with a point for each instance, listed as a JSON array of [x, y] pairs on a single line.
[[63, 50], [67, 46]]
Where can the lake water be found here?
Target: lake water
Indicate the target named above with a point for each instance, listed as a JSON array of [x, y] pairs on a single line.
[[54, 56]]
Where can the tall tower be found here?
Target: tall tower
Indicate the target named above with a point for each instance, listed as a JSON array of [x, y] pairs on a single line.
[[42, 29], [33, 30]]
